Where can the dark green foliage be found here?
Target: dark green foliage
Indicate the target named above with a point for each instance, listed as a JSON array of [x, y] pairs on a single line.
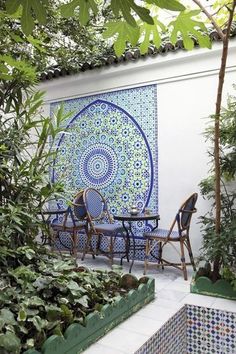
[[42, 295], [24, 162], [222, 247], [59, 41]]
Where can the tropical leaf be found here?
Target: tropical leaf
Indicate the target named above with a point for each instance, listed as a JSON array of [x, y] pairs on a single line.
[[124, 32], [67, 10], [126, 7], [151, 34], [186, 26], [172, 5], [29, 7]]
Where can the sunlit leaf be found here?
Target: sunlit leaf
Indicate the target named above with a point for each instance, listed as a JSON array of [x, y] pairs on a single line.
[[124, 32], [126, 8], [22, 315], [67, 10], [151, 34], [29, 7], [172, 5], [186, 26]]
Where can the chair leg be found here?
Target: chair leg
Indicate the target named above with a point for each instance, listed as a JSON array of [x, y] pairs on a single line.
[[190, 254], [98, 245], [74, 240], [111, 250], [86, 246], [160, 248], [183, 260], [147, 251], [55, 235]]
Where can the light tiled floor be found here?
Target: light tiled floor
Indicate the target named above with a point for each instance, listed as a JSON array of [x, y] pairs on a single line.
[[172, 292]]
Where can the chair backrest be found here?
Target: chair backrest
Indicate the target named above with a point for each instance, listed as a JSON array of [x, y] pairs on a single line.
[[79, 207], [185, 213], [95, 204]]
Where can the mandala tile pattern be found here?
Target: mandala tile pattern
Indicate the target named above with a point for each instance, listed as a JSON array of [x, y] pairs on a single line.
[[195, 330], [111, 144]]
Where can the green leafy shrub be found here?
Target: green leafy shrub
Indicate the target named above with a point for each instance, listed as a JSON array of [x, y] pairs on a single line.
[[44, 295]]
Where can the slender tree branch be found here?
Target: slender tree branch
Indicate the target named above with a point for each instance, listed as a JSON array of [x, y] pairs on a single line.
[[210, 17]]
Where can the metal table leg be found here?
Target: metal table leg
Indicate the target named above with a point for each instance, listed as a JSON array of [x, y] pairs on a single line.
[[127, 243], [133, 246]]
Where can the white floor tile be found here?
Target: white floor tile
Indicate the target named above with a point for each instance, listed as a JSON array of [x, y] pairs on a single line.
[[169, 304], [179, 286], [102, 349], [173, 295], [156, 313], [122, 340], [137, 324], [224, 304], [198, 300], [161, 284]]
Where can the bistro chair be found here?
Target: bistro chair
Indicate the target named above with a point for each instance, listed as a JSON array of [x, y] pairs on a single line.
[[181, 235], [100, 225], [74, 221]]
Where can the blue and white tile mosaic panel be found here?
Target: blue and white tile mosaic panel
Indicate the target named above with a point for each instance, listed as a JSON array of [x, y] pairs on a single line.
[[110, 143]]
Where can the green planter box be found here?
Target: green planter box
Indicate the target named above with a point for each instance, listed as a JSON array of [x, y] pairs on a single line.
[[77, 337], [221, 288]]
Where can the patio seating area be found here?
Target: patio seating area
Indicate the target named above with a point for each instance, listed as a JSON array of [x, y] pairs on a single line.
[[89, 212]]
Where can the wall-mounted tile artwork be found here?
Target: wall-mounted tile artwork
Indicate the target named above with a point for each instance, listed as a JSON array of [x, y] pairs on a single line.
[[110, 143]]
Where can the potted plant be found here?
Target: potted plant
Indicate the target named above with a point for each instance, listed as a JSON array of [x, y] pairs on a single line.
[[222, 248]]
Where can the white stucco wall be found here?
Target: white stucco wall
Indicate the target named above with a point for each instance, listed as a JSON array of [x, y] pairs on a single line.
[[187, 84]]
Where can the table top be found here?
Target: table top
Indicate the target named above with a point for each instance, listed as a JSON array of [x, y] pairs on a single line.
[[54, 211], [138, 217]]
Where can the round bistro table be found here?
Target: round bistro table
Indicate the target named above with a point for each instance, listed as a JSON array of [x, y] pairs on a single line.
[[127, 221]]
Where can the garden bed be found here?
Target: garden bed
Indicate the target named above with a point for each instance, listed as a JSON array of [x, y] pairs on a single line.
[[221, 288], [77, 337]]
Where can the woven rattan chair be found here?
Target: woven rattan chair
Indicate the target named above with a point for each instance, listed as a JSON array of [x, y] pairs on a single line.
[[100, 225], [181, 235], [74, 221]]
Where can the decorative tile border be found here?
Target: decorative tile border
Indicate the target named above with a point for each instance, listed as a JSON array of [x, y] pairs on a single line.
[[195, 330], [171, 337]]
